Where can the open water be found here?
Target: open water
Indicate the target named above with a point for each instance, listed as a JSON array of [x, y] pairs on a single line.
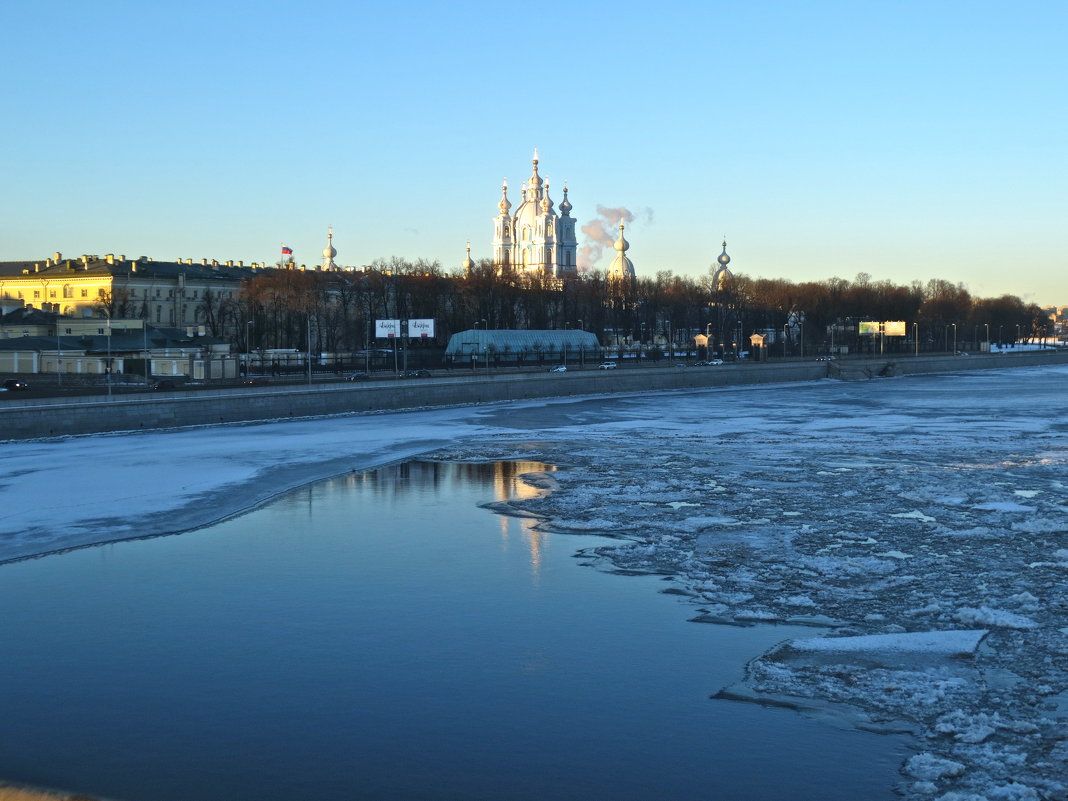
[[380, 636]]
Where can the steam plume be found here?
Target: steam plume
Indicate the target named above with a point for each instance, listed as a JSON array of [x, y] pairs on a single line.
[[601, 233]]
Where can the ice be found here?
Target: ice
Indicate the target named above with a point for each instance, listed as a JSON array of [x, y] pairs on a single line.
[[918, 642], [985, 616], [888, 511]]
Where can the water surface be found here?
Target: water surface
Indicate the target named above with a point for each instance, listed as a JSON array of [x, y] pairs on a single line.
[[381, 636]]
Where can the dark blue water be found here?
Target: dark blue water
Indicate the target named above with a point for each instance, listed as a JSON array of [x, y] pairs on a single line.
[[380, 636]]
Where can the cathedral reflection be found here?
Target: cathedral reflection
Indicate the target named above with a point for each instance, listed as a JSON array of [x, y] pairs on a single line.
[[505, 480]]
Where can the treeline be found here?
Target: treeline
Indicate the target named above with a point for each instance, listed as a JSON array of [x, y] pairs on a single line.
[[336, 310]]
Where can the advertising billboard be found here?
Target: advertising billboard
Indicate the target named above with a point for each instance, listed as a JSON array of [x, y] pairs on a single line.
[[894, 328], [420, 329], [868, 328], [387, 329]]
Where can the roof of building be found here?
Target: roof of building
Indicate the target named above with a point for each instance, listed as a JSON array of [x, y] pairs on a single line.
[[95, 266], [27, 316], [518, 341], [122, 342]]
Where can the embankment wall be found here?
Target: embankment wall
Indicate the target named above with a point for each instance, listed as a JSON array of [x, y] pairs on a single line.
[[34, 419]]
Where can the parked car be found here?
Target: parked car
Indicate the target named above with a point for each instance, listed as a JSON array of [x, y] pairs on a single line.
[[714, 362], [163, 384], [359, 375], [415, 374], [559, 368], [828, 358], [15, 385], [257, 380], [607, 366]]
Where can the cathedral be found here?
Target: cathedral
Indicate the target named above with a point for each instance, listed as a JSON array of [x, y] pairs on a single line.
[[535, 240]]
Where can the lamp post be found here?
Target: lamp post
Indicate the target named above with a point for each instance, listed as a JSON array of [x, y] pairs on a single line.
[[954, 338], [59, 356], [1017, 343], [107, 369], [582, 347], [1000, 340], [987, 327], [248, 347], [641, 343], [916, 337], [784, 327]]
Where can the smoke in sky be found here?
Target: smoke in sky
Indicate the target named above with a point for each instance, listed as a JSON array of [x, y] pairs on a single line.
[[602, 231]]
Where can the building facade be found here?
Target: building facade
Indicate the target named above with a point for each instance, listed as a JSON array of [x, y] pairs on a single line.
[[178, 293]]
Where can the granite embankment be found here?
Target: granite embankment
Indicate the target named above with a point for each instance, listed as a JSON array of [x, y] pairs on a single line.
[[31, 419]]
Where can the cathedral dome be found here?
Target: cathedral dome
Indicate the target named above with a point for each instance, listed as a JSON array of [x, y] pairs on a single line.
[[724, 259], [621, 266]]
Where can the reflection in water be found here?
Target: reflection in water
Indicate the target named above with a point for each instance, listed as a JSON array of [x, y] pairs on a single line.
[[398, 482]]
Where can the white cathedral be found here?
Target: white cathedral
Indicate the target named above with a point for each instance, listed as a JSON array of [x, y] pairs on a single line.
[[535, 240]]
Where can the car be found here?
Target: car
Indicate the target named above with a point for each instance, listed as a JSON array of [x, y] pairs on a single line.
[[256, 381], [714, 362], [559, 368], [607, 366], [826, 358], [359, 375], [163, 384], [415, 374], [15, 385]]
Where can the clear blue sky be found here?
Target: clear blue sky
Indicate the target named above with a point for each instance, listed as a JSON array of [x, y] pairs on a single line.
[[908, 140]]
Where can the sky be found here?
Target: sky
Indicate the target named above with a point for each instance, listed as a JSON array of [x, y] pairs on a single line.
[[907, 140]]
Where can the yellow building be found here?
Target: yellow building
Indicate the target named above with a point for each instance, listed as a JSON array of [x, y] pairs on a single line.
[[178, 293]]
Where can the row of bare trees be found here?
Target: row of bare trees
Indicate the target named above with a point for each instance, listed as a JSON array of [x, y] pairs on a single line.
[[335, 311]]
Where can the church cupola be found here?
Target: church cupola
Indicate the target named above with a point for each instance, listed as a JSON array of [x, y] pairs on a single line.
[[546, 203], [329, 252], [723, 276], [505, 206], [621, 266], [565, 204], [468, 264]]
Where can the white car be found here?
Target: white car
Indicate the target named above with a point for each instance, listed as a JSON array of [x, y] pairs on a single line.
[[558, 369], [607, 366]]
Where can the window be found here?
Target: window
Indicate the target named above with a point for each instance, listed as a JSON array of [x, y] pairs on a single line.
[[36, 294], [66, 330], [85, 293], [51, 293], [101, 292], [20, 294], [68, 291]]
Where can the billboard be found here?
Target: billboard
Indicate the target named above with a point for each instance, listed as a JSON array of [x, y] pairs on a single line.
[[420, 329], [894, 329], [387, 328], [868, 327]]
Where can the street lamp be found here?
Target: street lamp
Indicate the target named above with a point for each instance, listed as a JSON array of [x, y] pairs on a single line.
[[916, 337], [987, 326], [954, 339], [784, 327], [107, 368]]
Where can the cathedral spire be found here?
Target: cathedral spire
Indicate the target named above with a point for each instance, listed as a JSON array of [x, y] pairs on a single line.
[[504, 205], [468, 264], [565, 204], [546, 203], [535, 179], [329, 252]]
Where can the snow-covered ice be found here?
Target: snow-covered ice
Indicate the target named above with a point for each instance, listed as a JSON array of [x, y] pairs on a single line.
[[887, 511]]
